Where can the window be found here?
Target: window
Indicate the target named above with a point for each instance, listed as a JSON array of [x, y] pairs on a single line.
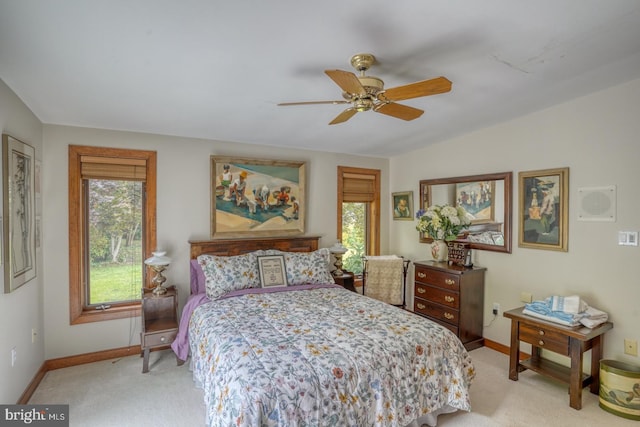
[[112, 217], [358, 214]]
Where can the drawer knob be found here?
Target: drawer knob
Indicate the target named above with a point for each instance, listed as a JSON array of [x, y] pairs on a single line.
[[163, 339], [448, 298], [448, 315], [421, 306], [449, 281], [421, 275], [541, 343], [421, 291], [541, 332]]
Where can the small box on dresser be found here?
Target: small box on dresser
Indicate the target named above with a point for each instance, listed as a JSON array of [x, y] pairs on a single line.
[[452, 296]]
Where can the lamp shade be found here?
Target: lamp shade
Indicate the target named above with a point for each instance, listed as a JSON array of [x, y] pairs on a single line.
[[337, 248], [158, 259]]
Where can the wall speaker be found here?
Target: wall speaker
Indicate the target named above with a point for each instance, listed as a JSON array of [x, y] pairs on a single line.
[[597, 203]]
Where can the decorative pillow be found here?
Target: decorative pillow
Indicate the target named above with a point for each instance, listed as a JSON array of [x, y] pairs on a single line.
[[308, 267], [224, 274]]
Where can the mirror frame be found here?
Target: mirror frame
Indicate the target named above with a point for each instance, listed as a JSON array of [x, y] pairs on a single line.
[[425, 202]]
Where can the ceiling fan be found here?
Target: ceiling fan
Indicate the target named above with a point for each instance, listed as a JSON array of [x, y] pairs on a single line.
[[366, 93]]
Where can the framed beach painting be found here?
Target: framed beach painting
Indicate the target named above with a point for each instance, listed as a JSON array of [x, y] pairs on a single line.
[[544, 209], [253, 197], [477, 200], [402, 205], [19, 214]]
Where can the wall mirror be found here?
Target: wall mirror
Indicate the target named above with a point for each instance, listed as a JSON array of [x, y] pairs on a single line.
[[487, 200]]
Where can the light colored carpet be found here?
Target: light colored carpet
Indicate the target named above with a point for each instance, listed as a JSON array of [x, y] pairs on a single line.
[[116, 393]]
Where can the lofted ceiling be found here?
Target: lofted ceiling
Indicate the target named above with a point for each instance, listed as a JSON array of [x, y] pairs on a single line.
[[217, 69]]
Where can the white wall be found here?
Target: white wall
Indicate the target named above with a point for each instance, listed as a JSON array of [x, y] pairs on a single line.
[[21, 310], [183, 214], [597, 137]]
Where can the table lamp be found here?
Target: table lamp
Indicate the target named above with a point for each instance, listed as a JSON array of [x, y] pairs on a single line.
[[158, 263], [337, 250]]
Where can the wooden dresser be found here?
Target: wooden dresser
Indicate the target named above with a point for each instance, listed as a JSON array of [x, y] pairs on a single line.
[[452, 296]]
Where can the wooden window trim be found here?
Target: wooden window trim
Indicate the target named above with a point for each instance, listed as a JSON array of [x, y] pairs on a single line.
[[78, 312], [373, 242]]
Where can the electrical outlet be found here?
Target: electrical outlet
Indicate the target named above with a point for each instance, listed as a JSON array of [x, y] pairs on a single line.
[[630, 347], [496, 308], [14, 356]]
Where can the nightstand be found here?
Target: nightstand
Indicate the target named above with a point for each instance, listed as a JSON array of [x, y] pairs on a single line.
[[346, 280], [159, 321]]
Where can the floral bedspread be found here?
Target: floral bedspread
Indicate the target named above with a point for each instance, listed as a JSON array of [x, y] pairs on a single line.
[[323, 356]]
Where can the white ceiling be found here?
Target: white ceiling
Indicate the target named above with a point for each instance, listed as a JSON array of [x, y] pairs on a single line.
[[216, 69]]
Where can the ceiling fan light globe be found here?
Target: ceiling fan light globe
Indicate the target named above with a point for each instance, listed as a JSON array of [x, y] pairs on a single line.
[[361, 105]]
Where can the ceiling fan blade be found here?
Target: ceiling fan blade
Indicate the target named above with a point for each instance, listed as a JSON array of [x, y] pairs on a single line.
[[347, 81], [313, 102], [344, 116], [415, 90], [399, 111]]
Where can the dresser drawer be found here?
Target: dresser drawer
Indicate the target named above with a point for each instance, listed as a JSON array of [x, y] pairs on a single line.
[[436, 311], [438, 295], [437, 278], [544, 338], [159, 338]]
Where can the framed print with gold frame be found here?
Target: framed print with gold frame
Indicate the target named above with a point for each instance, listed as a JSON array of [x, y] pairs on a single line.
[[544, 209], [254, 197], [402, 205]]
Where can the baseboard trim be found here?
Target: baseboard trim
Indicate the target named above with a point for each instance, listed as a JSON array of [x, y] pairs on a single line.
[[80, 359], [503, 348], [96, 356]]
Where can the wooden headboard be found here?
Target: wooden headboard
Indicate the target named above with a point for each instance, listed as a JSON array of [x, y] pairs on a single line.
[[229, 247]]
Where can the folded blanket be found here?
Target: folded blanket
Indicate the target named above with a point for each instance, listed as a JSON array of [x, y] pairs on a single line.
[[542, 310], [587, 316], [571, 304]]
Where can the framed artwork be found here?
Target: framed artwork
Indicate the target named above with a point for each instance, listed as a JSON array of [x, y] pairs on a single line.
[[251, 197], [402, 205], [272, 271], [477, 200], [544, 209], [19, 225]]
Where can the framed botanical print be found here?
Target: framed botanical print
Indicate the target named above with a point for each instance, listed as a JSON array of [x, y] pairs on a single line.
[[19, 213], [544, 209]]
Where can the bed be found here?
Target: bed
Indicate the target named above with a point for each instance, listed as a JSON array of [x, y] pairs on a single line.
[[311, 353]]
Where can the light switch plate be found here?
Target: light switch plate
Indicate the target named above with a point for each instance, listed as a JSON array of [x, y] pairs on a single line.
[[628, 238]]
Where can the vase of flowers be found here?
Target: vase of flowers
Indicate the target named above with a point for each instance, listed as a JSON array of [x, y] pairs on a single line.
[[442, 223]]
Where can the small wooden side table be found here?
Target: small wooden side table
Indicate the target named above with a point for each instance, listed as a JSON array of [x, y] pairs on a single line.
[[159, 321], [347, 280], [571, 342]]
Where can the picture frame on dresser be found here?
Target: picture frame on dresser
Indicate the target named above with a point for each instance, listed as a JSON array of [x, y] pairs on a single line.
[[19, 213], [257, 197], [544, 209]]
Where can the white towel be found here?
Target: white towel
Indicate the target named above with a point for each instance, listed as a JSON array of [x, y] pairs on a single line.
[[593, 317]]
